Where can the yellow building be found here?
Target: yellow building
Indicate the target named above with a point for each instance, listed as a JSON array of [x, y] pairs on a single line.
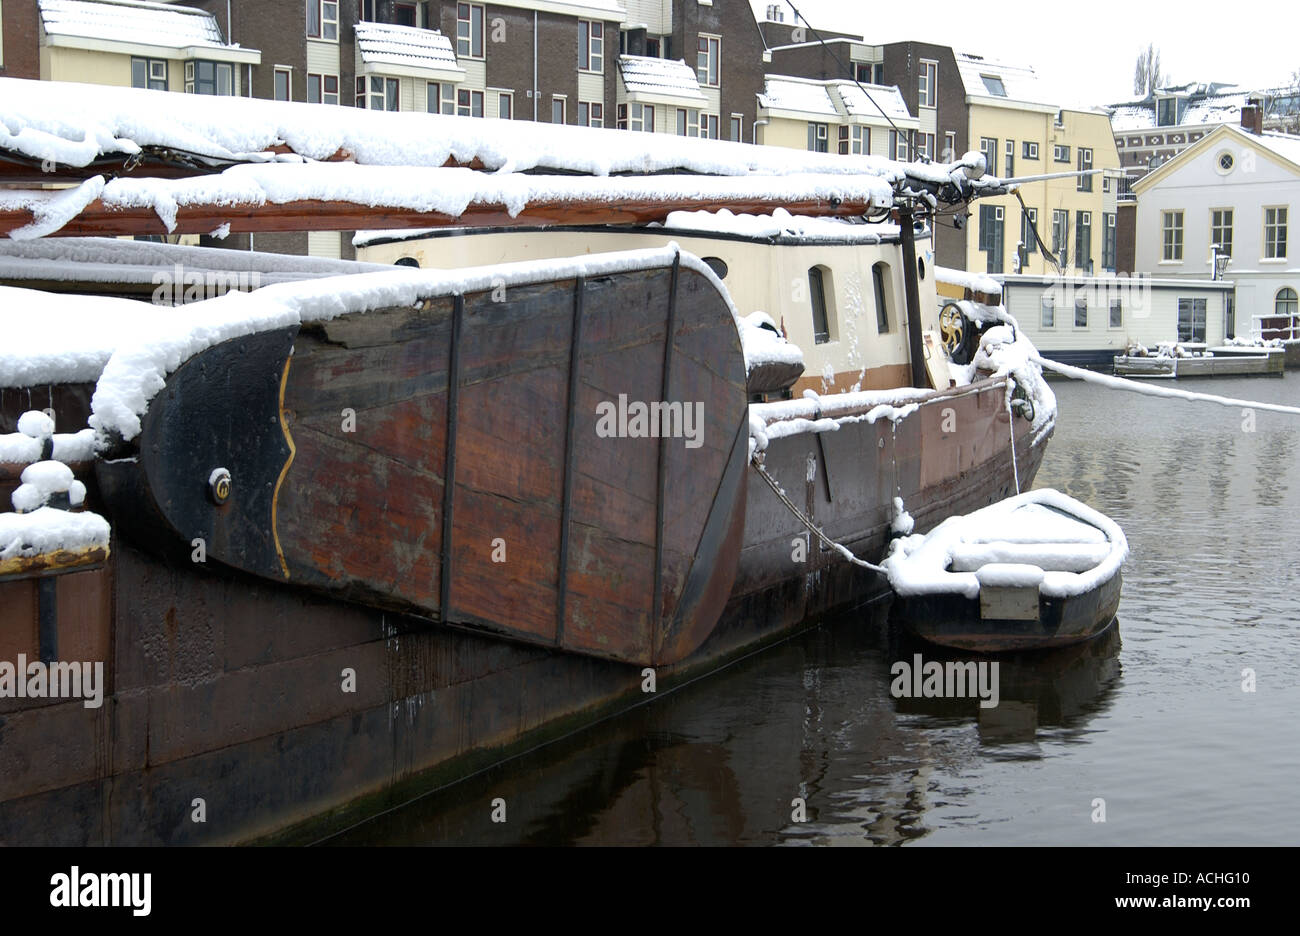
[[1020, 135], [831, 116], [138, 44]]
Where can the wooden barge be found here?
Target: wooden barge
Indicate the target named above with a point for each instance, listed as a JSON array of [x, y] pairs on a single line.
[[303, 619]]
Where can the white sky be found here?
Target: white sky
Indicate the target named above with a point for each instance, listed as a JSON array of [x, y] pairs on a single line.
[[1084, 52]]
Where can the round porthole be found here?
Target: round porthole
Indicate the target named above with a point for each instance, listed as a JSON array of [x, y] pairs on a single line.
[[920, 267], [1225, 162], [717, 265]]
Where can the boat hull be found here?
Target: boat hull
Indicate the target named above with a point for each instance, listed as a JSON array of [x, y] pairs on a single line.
[[959, 622]]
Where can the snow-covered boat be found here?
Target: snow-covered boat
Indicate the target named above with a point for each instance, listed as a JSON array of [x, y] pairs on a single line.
[[1036, 570], [1196, 360], [491, 494]]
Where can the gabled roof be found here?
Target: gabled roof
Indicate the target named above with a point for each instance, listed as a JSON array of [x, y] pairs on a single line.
[[1281, 147], [1204, 104], [407, 48], [132, 21], [646, 75]]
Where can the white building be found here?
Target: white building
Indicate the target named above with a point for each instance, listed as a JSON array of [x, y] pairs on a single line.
[[1238, 191]]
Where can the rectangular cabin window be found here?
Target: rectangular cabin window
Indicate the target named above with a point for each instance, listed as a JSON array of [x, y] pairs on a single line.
[[817, 293], [1081, 312], [1048, 314], [1191, 319], [878, 274], [1116, 313]]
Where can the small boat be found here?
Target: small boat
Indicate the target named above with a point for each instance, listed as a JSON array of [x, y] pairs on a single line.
[[1033, 571], [1196, 360]]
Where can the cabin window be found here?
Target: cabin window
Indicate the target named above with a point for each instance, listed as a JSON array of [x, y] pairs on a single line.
[[149, 73], [407, 262], [1116, 313], [819, 295], [879, 279], [1081, 312], [717, 265], [1048, 314], [1191, 319]]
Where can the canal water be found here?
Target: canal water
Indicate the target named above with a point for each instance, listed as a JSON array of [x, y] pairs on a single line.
[[1149, 725]]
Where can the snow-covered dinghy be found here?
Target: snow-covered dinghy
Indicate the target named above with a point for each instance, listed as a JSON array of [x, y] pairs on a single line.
[[1033, 571]]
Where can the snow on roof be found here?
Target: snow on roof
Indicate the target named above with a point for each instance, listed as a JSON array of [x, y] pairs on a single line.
[[797, 94], [385, 44], [870, 99], [130, 21], [73, 124], [647, 75], [985, 78], [1285, 145], [780, 223], [1222, 104]]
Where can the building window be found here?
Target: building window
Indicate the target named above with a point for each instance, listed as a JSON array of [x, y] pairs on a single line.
[[879, 277], [1284, 303], [709, 126], [558, 105], [322, 89], [1060, 153], [636, 117], [218, 78], [591, 46], [950, 147], [817, 138], [821, 312], [1173, 229], [898, 145], [1083, 241], [991, 235], [706, 60], [1084, 182], [469, 103], [855, 141], [377, 93], [404, 14], [591, 114], [440, 98], [1028, 150], [688, 122], [926, 84], [1028, 222], [1191, 319], [469, 30], [1221, 229], [505, 105], [989, 147], [149, 73], [283, 84], [323, 19], [925, 145], [1060, 233], [737, 128], [1167, 112], [1081, 310], [1116, 313], [994, 85], [1274, 233], [1047, 313], [1108, 243], [1011, 158]]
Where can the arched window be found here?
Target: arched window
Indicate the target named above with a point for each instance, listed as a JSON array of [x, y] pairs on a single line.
[[880, 282], [1285, 302], [821, 293]]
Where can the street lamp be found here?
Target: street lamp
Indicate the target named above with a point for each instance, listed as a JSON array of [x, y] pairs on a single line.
[[1220, 259]]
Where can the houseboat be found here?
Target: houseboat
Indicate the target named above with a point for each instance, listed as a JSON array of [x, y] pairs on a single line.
[[343, 537]]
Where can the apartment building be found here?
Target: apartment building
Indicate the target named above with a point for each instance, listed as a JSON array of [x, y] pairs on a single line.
[[1228, 197], [834, 116]]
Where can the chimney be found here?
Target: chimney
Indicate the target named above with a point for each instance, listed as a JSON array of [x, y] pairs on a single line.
[[1252, 118]]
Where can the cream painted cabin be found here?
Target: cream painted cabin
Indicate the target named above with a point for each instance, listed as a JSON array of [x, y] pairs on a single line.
[[776, 275]]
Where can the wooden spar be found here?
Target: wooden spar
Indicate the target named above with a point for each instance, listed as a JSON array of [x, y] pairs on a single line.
[[97, 220], [913, 296]]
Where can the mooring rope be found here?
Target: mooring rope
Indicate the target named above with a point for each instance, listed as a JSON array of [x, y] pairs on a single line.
[[1011, 423], [1133, 386], [806, 521]]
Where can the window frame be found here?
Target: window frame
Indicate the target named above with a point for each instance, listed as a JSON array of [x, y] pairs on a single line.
[[1028, 222], [446, 98], [318, 83], [1171, 235], [1009, 157], [818, 287], [591, 114], [1221, 220], [470, 97], [561, 101], [472, 38], [1192, 302], [149, 78], [1081, 309], [1115, 304], [1047, 312], [989, 147], [324, 24], [1275, 240], [1084, 182], [710, 46], [1109, 241], [879, 282], [275, 83], [508, 98], [927, 83], [1082, 244], [591, 47], [1028, 150], [1061, 153]]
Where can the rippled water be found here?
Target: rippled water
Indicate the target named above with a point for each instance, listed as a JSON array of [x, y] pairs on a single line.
[[1150, 718]]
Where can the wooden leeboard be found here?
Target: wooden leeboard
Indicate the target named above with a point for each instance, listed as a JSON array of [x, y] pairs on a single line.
[[340, 451]]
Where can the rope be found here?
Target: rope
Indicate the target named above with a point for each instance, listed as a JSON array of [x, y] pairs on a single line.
[[816, 531], [1011, 421], [1119, 383]]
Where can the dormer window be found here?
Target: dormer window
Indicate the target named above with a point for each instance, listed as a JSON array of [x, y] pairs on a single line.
[[993, 84], [1167, 112]]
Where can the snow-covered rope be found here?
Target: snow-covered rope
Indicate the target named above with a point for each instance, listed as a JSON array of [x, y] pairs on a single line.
[[1011, 423], [812, 527], [1133, 386]]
